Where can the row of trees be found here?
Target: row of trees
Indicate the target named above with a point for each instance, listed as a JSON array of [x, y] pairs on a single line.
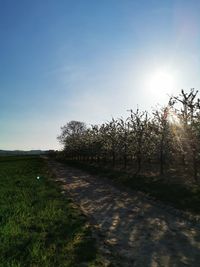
[[167, 137]]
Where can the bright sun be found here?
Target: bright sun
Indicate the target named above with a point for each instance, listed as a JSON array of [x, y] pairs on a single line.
[[160, 82]]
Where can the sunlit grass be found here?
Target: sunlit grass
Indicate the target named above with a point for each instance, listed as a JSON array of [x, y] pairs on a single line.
[[38, 226]]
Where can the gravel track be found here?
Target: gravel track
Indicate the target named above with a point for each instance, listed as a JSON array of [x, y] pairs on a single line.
[[130, 229]]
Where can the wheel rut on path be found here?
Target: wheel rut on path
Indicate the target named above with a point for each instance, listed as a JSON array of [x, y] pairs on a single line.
[[131, 229]]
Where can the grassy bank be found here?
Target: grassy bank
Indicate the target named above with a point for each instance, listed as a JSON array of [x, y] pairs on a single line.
[[179, 196], [38, 226]]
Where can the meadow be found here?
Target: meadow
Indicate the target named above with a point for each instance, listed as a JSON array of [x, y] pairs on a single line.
[[38, 225]]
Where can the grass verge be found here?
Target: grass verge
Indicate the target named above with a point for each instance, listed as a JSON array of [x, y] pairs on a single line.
[[177, 195], [39, 226]]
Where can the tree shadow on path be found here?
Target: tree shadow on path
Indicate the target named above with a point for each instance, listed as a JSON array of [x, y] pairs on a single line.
[[136, 231]]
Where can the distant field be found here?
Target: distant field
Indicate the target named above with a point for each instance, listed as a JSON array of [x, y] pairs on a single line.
[[38, 226]]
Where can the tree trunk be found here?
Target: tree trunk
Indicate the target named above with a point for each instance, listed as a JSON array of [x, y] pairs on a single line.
[[125, 161], [139, 162], [113, 158], [195, 169], [125, 155], [161, 157]]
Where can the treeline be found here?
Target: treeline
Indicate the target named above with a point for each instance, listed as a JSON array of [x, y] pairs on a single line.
[[166, 139]]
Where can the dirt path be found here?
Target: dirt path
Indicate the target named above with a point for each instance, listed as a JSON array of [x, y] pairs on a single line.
[[131, 229]]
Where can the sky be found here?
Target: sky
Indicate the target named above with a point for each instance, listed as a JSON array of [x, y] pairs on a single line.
[[90, 60]]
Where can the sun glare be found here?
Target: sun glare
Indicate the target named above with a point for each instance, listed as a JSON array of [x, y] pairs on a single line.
[[173, 118], [160, 82]]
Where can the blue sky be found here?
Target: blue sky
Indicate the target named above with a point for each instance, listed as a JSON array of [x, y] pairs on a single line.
[[64, 60]]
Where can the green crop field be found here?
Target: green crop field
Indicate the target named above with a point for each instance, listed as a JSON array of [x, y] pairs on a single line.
[[39, 226]]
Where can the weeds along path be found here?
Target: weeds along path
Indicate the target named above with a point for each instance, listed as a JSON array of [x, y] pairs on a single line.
[[130, 229]]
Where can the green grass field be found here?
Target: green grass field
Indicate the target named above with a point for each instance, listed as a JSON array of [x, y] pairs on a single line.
[[39, 226]]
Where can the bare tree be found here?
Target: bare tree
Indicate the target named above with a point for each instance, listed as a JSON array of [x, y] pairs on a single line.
[[71, 129], [189, 117], [161, 138], [161, 130], [138, 122], [123, 127]]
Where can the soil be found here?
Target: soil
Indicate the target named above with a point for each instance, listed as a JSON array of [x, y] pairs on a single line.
[[130, 229]]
